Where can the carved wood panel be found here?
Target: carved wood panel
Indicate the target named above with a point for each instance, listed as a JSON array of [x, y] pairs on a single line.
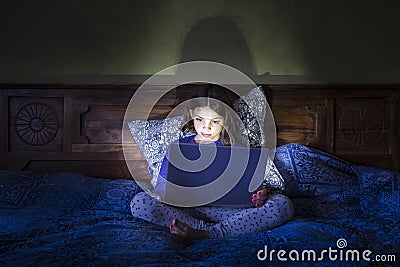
[[36, 124], [357, 124], [363, 125], [102, 124], [301, 121]]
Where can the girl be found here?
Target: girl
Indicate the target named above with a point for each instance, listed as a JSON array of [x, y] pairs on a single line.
[[211, 121]]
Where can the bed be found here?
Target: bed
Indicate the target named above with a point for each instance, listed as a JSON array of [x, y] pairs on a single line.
[[64, 200]]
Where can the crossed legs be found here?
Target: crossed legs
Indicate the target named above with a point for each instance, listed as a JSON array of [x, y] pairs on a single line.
[[213, 222]]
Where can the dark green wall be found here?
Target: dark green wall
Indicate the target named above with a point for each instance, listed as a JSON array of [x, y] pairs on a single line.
[[85, 41]]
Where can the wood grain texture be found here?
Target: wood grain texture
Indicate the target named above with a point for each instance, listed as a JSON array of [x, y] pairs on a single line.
[[359, 123]]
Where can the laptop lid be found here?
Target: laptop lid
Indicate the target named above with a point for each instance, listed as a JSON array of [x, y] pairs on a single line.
[[209, 175]]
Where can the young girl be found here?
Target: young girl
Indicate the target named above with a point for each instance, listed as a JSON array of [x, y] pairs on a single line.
[[211, 122]]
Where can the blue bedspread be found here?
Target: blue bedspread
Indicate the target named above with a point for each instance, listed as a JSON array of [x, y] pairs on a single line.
[[67, 219]]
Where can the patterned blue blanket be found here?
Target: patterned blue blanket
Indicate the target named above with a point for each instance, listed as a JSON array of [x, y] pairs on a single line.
[[343, 213]]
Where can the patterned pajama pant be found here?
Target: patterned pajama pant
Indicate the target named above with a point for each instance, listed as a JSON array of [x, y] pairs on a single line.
[[218, 222]]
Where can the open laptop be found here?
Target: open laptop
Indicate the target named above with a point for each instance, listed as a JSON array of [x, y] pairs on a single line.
[[209, 175]]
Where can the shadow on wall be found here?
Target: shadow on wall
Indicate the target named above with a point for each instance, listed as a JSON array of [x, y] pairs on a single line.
[[218, 39]]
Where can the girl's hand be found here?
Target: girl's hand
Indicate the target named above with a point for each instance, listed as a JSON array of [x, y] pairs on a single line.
[[260, 197]]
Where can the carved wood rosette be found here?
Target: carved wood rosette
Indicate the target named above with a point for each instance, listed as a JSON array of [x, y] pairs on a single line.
[[36, 124], [363, 125]]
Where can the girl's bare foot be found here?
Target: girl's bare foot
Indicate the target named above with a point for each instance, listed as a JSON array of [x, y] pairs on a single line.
[[186, 232], [260, 197]]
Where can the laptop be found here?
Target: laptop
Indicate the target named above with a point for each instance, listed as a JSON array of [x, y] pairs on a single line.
[[210, 175]]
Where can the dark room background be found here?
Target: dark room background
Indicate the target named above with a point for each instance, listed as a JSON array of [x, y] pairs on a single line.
[[271, 41]]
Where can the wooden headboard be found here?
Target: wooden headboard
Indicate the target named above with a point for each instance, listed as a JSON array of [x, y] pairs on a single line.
[[78, 128]]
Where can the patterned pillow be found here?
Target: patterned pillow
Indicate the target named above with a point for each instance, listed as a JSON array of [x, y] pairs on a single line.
[[153, 137], [251, 110], [319, 184], [380, 191]]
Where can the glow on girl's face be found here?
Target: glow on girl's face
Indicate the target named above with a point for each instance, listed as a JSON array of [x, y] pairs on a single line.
[[207, 123]]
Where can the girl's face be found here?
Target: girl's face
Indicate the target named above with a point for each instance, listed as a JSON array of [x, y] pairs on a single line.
[[207, 123]]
